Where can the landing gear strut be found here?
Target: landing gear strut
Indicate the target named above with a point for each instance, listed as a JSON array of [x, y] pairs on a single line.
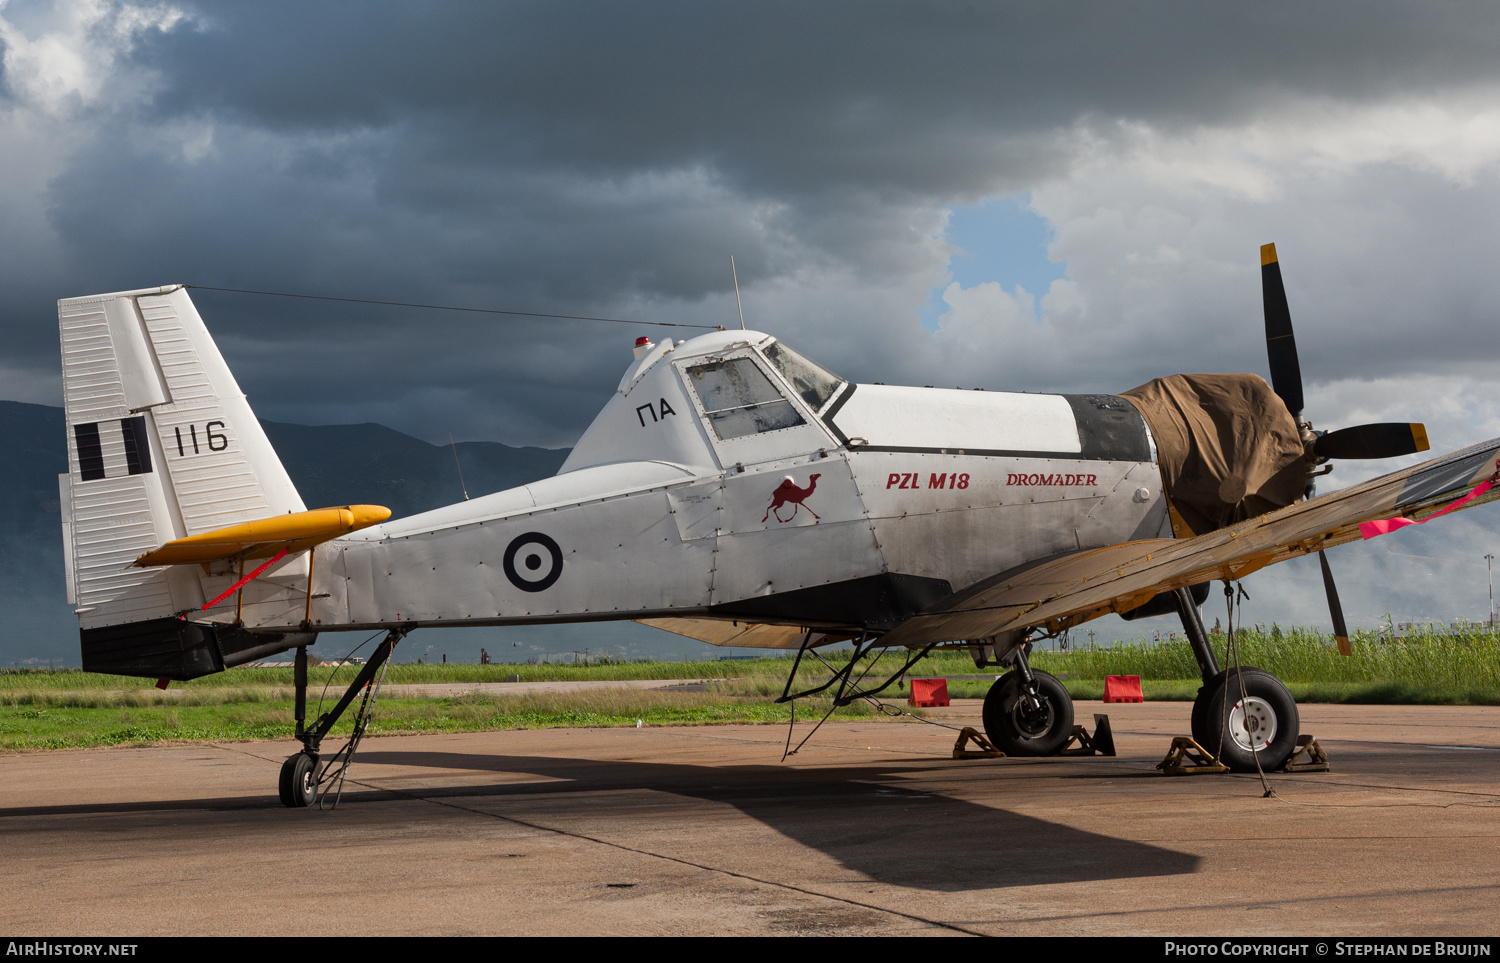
[[301, 781], [1028, 712], [1244, 716]]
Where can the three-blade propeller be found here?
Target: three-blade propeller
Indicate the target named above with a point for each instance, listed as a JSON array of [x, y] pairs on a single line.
[[1384, 440]]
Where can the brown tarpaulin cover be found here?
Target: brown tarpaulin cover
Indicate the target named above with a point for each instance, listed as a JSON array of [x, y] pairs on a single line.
[[1227, 446]]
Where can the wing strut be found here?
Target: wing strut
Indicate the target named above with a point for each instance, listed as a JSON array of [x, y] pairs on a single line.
[[840, 676], [801, 651], [848, 690]]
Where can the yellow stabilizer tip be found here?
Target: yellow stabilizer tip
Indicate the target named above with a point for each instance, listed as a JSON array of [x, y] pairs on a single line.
[[294, 531], [1419, 435], [1267, 254]]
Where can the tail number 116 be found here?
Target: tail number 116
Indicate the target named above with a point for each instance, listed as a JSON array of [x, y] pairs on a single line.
[[211, 439]]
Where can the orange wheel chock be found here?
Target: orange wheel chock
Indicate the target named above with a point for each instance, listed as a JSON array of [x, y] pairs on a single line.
[[1123, 688], [927, 693]]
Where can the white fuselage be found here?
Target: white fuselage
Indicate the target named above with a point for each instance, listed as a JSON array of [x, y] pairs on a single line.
[[728, 478], [853, 513]]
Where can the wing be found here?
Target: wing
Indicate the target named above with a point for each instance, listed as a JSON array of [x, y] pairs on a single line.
[[744, 635], [1074, 588]]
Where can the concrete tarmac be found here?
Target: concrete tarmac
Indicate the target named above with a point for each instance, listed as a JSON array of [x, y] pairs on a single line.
[[871, 829]]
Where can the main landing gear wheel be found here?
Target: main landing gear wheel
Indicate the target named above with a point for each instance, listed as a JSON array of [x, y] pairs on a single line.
[[1262, 721], [299, 780], [1199, 724], [1019, 728]]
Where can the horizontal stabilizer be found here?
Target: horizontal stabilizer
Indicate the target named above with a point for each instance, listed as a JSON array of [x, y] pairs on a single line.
[[265, 537]]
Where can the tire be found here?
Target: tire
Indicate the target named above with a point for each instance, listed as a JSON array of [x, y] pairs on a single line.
[[1010, 728], [1273, 725], [1200, 709], [299, 781]]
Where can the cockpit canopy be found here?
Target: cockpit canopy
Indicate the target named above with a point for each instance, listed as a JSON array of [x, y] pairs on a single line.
[[754, 399], [740, 399], [816, 384]]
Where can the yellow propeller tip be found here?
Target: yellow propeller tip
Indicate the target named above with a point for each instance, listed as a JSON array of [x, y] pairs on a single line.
[[1267, 254]]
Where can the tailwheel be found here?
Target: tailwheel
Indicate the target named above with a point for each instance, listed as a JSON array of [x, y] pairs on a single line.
[[1028, 724], [299, 780], [1259, 720]]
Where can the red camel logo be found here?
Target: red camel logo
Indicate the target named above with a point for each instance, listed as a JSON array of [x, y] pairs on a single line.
[[788, 493]]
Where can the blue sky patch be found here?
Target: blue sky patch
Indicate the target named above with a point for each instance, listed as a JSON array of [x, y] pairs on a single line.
[[1001, 240]]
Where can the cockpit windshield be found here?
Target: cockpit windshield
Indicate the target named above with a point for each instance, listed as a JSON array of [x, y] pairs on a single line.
[[814, 383], [740, 400]]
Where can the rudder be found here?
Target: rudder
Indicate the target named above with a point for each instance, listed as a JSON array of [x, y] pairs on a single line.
[[162, 444]]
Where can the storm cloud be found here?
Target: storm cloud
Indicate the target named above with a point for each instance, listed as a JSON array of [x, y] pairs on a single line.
[[606, 159]]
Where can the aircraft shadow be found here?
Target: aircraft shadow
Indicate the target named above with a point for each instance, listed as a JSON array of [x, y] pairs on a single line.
[[857, 815]]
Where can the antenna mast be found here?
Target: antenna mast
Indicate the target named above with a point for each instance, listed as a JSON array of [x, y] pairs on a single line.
[[737, 291], [460, 468]]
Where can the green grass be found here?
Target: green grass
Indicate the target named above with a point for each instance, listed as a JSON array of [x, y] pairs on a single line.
[[1448, 663], [1457, 669], [58, 719], [1155, 690], [405, 673], [1347, 693], [57, 708]]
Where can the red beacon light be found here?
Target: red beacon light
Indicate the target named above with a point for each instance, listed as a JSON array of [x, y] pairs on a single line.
[[642, 345]]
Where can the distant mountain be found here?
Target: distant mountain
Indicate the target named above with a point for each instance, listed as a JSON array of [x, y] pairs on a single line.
[[330, 465], [374, 465], [35, 619]]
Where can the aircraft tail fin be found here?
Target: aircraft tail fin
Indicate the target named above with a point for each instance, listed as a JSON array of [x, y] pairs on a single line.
[[162, 445]]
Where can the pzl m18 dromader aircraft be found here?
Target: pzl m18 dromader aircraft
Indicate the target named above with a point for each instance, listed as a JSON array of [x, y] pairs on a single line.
[[735, 492]]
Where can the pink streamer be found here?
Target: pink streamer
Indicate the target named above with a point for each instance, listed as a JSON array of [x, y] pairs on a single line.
[[1383, 526]]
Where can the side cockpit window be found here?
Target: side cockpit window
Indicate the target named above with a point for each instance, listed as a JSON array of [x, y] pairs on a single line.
[[815, 384], [740, 399]]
